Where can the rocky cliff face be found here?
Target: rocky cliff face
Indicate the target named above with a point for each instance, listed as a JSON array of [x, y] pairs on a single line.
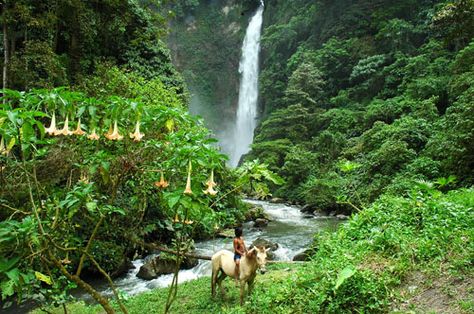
[[206, 48]]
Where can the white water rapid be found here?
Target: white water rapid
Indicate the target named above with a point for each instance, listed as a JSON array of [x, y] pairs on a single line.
[[246, 120]]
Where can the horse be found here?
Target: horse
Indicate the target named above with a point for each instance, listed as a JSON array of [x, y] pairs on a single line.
[[223, 265]]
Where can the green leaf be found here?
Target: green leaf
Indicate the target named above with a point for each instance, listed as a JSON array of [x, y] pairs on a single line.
[[91, 206], [7, 288], [169, 124], [13, 274], [343, 275], [173, 200], [6, 264], [43, 278]]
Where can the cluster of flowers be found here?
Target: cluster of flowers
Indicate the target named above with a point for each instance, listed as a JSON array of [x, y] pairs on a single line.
[[188, 191], [210, 184], [112, 134]]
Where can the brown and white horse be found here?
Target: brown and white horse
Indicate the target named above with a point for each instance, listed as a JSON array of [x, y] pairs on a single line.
[[223, 265]]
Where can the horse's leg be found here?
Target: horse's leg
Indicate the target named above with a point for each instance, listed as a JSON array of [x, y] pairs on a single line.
[[242, 291], [219, 282], [213, 283], [215, 273], [250, 284]]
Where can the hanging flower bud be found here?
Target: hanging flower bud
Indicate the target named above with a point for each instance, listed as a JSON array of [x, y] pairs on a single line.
[[93, 136], [110, 131], [65, 130], [52, 128], [3, 149], [176, 218], [137, 136], [78, 130], [211, 182], [210, 185], [188, 222], [115, 134], [162, 183], [188, 190]]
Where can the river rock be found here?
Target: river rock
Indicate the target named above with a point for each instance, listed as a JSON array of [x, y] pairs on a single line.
[[277, 200], [267, 244], [307, 209], [123, 268], [260, 223], [255, 212], [155, 266], [342, 217], [226, 233], [303, 256]]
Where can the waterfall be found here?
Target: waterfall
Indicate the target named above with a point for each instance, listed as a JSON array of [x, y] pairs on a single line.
[[248, 93]]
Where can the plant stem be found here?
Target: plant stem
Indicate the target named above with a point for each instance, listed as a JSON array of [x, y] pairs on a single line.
[[89, 243]]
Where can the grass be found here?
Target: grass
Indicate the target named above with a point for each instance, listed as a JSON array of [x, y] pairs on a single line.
[[193, 296], [411, 254]]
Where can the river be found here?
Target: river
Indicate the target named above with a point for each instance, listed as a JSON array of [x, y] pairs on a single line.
[[289, 227]]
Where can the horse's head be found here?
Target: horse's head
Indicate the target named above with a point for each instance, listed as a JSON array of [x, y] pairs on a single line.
[[260, 254]]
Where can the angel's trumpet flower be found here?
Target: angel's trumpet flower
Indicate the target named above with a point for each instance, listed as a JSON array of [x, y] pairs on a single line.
[[188, 190], [78, 130], [65, 129], [93, 136], [162, 183], [210, 190], [3, 149], [115, 133], [137, 136], [52, 128], [210, 185], [176, 218]]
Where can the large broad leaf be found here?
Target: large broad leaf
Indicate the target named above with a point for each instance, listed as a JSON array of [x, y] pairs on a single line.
[[173, 199], [7, 288], [43, 278], [6, 264], [343, 275]]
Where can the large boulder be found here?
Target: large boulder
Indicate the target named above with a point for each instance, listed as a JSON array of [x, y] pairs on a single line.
[[307, 209], [256, 212], [267, 244], [155, 266], [260, 223], [123, 268], [303, 256]]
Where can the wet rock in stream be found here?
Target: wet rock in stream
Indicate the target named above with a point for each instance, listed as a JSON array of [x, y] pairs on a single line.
[[155, 266], [267, 244]]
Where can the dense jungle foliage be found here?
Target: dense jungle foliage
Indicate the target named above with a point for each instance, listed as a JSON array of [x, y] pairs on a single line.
[[134, 168], [365, 97], [367, 107], [382, 261]]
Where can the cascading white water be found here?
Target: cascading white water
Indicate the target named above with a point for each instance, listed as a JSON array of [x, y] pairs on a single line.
[[248, 94]]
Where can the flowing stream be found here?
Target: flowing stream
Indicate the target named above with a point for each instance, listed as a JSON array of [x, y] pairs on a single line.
[[246, 119], [291, 229]]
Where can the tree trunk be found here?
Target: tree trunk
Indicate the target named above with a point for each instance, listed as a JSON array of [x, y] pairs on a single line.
[[6, 55]]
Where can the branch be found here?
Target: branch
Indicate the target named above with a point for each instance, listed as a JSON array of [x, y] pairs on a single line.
[[89, 243]]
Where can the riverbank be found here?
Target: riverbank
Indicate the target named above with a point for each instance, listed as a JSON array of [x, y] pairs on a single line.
[[193, 296], [402, 255]]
